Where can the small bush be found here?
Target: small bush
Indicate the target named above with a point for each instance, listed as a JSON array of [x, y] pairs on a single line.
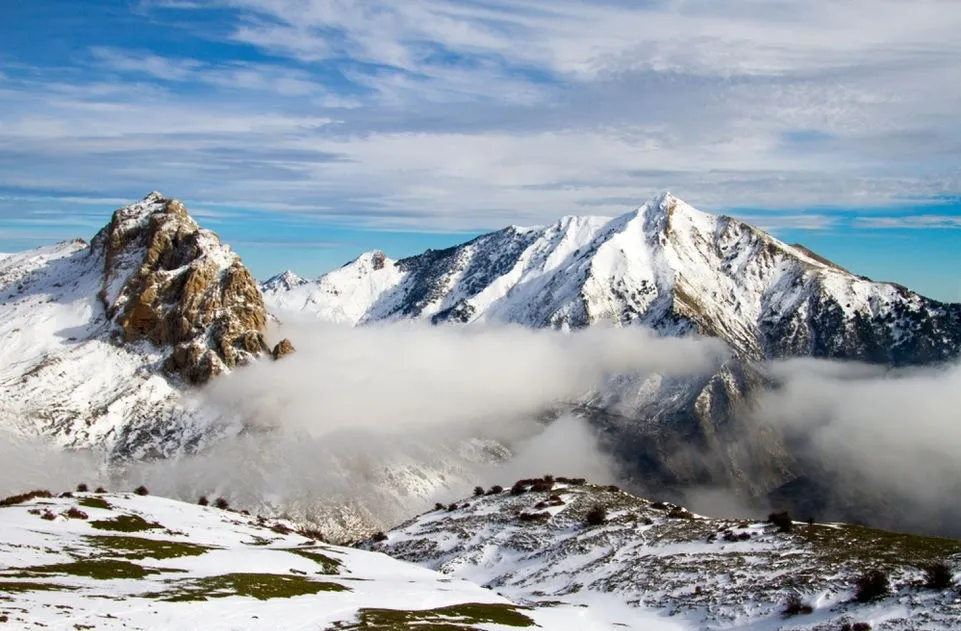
[[380, 536], [66, 494], [535, 516], [281, 529], [782, 520], [82, 488], [49, 516], [203, 501], [100, 489], [540, 505], [438, 506], [856, 626], [597, 515], [222, 504], [75, 513], [937, 575], [872, 585], [542, 486], [24, 497], [659, 506], [452, 507], [478, 491], [795, 606], [518, 488], [497, 488], [141, 490], [679, 512], [613, 487]]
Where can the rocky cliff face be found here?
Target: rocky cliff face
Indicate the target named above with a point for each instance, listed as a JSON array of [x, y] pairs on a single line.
[[169, 281], [98, 342]]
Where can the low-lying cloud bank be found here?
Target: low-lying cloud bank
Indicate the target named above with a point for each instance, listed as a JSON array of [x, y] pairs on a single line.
[[363, 427], [891, 434], [369, 425]]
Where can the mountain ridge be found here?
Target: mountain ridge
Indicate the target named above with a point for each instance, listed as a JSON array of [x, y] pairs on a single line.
[[665, 265]]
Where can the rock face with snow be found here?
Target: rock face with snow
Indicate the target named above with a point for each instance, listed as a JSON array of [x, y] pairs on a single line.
[[168, 281], [665, 265], [100, 341]]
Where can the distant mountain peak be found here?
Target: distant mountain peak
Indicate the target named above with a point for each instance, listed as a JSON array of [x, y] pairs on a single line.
[[666, 265], [285, 280]]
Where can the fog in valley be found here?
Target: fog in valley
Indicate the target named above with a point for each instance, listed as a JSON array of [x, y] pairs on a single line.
[[365, 427]]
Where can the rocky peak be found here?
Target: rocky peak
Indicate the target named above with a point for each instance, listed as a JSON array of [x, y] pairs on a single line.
[[284, 281], [172, 283]]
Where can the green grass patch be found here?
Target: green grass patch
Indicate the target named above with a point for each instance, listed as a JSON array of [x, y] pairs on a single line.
[[125, 523], [453, 618], [860, 544], [17, 587], [139, 548], [328, 565], [95, 502], [259, 586], [100, 569]]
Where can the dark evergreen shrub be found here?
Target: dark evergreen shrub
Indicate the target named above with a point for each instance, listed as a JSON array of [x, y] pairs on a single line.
[[597, 515], [871, 585]]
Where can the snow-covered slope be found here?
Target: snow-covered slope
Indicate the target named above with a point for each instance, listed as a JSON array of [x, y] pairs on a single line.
[[122, 561], [539, 547], [98, 342], [666, 265]]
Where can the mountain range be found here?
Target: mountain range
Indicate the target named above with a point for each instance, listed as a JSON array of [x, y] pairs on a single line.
[[104, 344]]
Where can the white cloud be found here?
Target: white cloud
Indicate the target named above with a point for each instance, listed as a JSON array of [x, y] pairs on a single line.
[[911, 221], [434, 114]]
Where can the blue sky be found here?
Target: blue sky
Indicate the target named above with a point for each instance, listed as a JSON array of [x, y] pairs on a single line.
[[307, 131]]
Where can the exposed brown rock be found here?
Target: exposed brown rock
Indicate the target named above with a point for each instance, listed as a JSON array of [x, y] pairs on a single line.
[[174, 284], [283, 347]]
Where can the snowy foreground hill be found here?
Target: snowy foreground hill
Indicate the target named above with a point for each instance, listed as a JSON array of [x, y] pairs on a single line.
[[123, 561], [536, 543]]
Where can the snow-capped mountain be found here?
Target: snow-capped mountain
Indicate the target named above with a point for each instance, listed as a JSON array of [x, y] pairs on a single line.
[[677, 270], [665, 265], [554, 541], [99, 341]]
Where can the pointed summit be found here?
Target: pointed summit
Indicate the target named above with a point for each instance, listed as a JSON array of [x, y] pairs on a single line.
[[666, 265], [286, 280], [170, 282]]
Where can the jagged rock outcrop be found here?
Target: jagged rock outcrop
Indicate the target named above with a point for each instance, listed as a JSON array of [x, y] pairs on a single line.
[[97, 342], [169, 281], [283, 347]]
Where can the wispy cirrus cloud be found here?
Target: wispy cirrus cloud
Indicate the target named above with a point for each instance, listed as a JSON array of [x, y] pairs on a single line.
[[909, 222], [458, 115]]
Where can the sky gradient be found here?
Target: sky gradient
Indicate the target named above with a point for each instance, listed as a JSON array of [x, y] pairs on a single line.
[[307, 131]]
